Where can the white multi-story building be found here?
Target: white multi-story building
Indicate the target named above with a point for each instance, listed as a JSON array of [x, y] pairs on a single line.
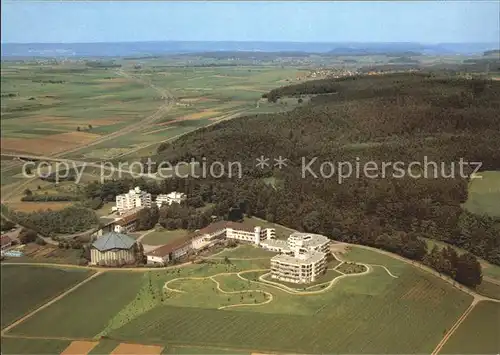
[[168, 199], [303, 267], [308, 241], [133, 199], [302, 257]]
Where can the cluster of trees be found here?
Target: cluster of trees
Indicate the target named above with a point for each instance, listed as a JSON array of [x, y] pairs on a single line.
[[50, 81], [147, 218], [49, 223], [48, 198], [9, 94], [181, 216], [5, 224], [400, 117], [102, 64], [464, 268]]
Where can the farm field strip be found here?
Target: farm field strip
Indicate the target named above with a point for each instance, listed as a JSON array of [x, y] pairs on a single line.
[[26, 288], [477, 333], [52, 301]]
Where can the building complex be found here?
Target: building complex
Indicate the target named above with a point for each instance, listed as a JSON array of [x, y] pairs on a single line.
[[301, 259]]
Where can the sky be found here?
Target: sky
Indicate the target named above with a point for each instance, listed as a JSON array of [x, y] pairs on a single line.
[[296, 21]]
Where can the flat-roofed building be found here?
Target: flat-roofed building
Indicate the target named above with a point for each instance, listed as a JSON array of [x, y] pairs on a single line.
[[309, 241], [302, 267], [135, 198], [168, 199]]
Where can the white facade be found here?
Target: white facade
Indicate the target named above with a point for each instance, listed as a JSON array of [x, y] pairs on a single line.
[[118, 256], [303, 267], [168, 199], [133, 199]]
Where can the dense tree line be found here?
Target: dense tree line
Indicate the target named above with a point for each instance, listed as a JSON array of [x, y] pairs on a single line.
[[49, 223], [5, 224], [49, 198], [394, 118]]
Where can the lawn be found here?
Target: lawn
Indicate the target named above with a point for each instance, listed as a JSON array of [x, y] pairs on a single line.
[[245, 251], [87, 310], [163, 236], [478, 334], [328, 276], [25, 288], [15, 346], [361, 255], [373, 313], [484, 194]]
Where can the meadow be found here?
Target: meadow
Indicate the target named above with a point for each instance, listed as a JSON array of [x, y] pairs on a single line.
[[484, 194], [163, 236], [420, 309], [24, 288]]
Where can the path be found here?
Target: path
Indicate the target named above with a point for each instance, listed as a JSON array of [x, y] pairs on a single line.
[[454, 327], [145, 234], [55, 299], [101, 269]]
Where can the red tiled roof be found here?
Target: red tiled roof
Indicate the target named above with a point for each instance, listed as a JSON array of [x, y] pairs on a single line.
[[5, 240], [239, 226], [127, 219], [169, 248], [211, 228]]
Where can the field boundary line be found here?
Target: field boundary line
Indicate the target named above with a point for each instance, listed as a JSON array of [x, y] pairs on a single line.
[[47, 304], [454, 327]]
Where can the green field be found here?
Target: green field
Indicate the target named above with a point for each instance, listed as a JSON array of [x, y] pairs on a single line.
[[478, 334], [421, 307], [24, 288], [371, 313], [160, 237], [85, 312], [15, 346], [484, 194]]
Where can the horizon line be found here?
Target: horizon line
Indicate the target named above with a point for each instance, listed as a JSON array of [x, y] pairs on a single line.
[[250, 41]]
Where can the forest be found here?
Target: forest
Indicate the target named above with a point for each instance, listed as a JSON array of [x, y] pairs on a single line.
[[390, 118]]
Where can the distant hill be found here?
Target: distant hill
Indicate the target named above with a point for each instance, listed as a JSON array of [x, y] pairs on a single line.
[[145, 49], [492, 52]]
